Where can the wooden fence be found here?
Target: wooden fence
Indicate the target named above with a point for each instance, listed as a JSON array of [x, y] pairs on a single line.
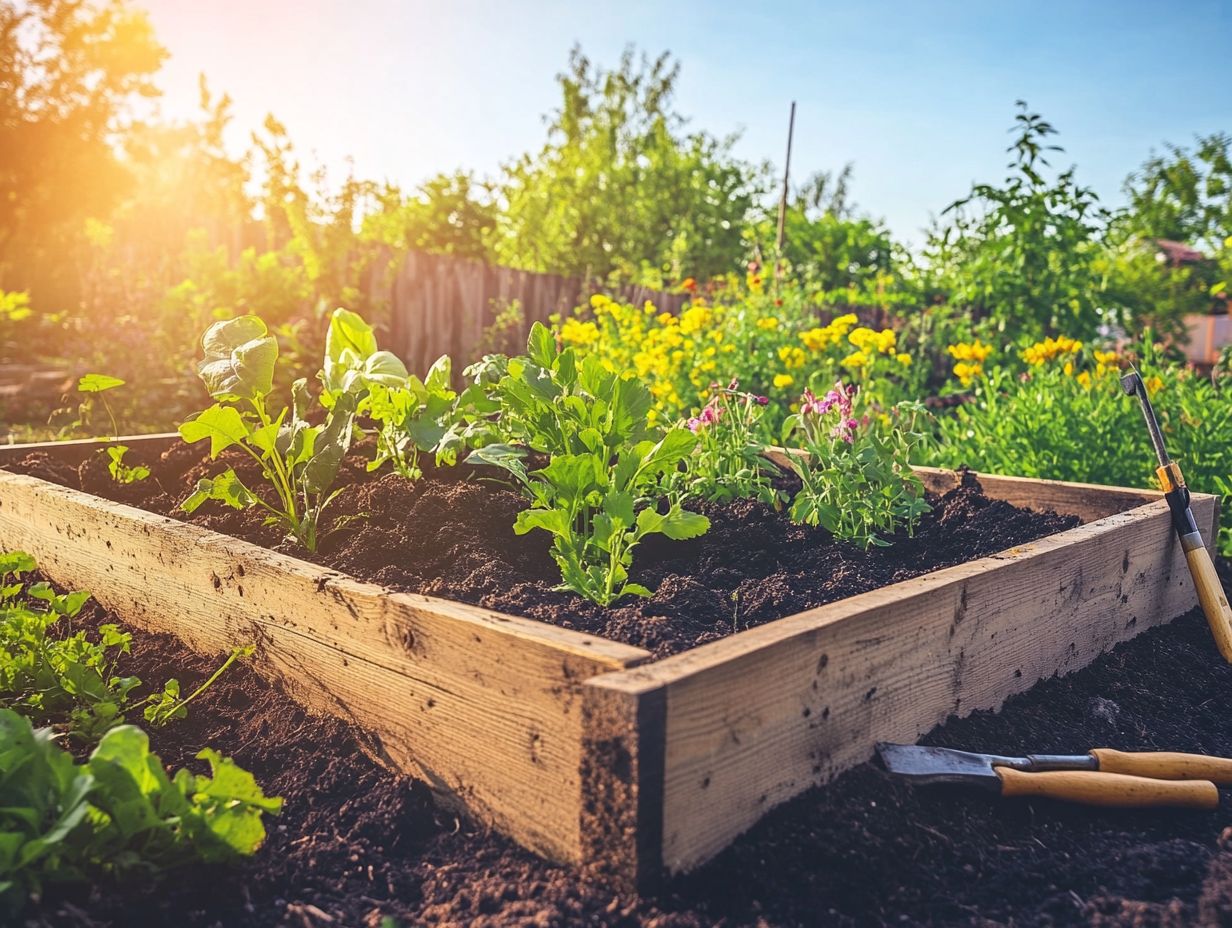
[[444, 305]]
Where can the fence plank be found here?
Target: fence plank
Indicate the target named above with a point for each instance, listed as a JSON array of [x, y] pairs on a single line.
[[439, 304]]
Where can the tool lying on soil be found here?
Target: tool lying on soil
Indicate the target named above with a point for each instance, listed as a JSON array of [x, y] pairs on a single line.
[[1103, 777], [1210, 592]]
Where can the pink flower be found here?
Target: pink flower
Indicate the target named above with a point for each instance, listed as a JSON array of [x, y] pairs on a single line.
[[762, 400], [711, 413]]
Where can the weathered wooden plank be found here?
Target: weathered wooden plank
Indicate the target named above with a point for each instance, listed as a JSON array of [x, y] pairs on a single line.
[[486, 707], [757, 718]]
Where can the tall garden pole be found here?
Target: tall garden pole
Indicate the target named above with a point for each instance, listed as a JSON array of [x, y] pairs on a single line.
[[791, 127]]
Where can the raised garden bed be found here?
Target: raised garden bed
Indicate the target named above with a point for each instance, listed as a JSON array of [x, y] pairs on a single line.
[[585, 749]]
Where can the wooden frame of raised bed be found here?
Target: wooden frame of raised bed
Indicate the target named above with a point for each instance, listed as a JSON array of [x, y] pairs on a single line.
[[583, 749]]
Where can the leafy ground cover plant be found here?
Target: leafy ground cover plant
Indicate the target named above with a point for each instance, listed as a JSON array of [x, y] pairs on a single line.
[[121, 472], [299, 461], [117, 813], [856, 479], [1055, 410], [606, 478], [729, 463], [55, 674]]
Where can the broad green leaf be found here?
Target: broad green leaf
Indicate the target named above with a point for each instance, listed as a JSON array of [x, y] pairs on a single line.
[[506, 457], [330, 446], [572, 475], [348, 331], [619, 505], [440, 374], [225, 488], [541, 345], [551, 520], [97, 383], [222, 425], [265, 438], [240, 356], [16, 563], [680, 524]]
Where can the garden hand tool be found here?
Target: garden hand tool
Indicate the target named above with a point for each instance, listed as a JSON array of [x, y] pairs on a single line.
[[1210, 592], [1102, 777]]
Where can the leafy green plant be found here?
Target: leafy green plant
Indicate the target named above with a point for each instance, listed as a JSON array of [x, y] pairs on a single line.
[[298, 461], [167, 705], [413, 419], [121, 472], [93, 386], [49, 673], [1022, 252], [354, 361], [729, 462], [1076, 424], [599, 494], [856, 478], [68, 677], [118, 813]]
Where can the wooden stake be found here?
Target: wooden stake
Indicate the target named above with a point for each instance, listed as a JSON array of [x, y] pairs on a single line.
[[778, 244]]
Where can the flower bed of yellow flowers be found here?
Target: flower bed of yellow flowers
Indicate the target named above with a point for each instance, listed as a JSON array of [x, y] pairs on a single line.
[[776, 349]]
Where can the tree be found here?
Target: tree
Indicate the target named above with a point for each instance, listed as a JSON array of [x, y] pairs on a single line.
[[620, 186], [1023, 253], [450, 214], [1184, 195], [846, 257], [70, 72]]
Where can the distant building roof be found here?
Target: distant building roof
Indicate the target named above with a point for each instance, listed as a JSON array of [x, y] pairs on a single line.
[[1177, 253]]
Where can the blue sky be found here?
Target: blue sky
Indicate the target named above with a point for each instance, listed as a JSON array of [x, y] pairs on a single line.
[[918, 95]]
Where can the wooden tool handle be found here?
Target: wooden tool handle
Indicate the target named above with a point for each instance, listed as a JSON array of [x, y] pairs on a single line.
[[1213, 599], [1166, 765], [1109, 789]]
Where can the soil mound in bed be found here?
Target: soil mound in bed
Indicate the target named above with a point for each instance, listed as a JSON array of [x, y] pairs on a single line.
[[451, 535]]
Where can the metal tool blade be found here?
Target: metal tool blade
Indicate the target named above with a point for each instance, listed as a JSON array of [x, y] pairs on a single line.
[[1132, 384], [944, 765]]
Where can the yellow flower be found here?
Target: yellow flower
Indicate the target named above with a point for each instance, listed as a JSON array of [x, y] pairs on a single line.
[[966, 372], [783, 381], [792, 356], [1069, 368], [665, 318], [599, 302], [768, 323], [1153, 384], [863, 338], [870, 341], [1051, 348], [815, 339], [904, 359], [1106, 361], [577, 332], [975, 351], [856, 360], [694, 319], [1085, 379]]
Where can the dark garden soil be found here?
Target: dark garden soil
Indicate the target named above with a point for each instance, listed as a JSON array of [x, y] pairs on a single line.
[[355, 843], [451, 535]]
